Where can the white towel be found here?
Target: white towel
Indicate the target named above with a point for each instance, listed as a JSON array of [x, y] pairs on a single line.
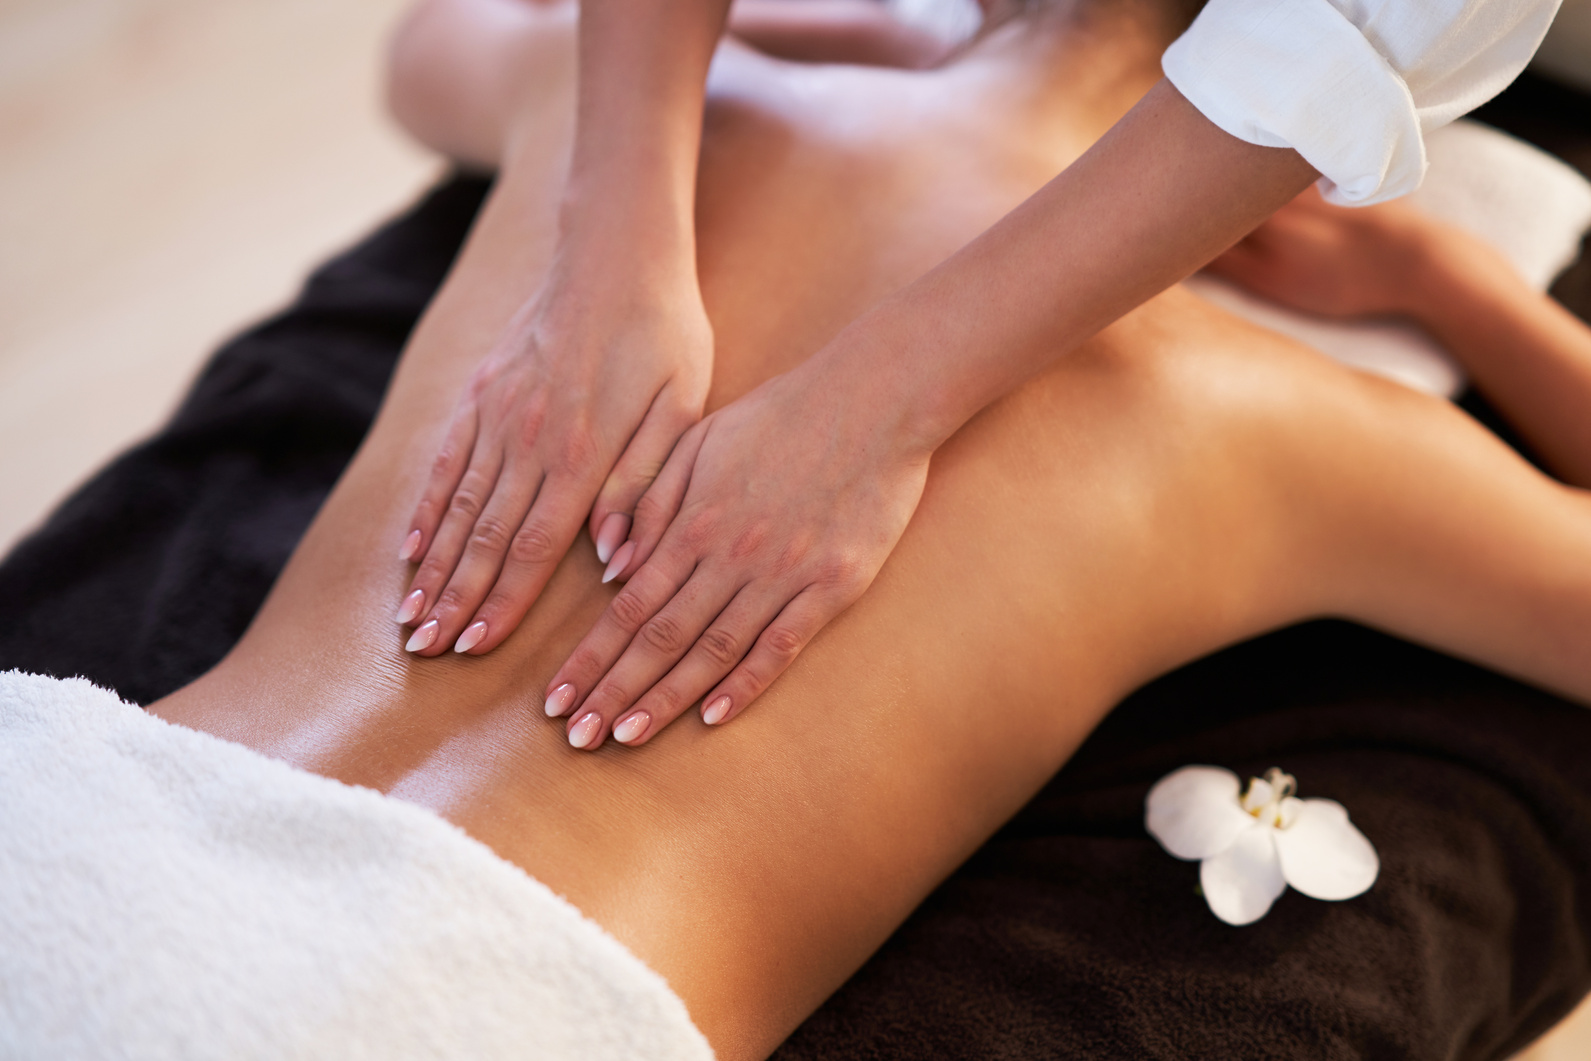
[[1529, 205], [167, 894]]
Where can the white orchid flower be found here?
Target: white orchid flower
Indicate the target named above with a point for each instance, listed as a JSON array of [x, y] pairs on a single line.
[[1252, 845]]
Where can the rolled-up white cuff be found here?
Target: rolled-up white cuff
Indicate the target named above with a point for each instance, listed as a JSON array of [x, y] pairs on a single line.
[[1298, 74]]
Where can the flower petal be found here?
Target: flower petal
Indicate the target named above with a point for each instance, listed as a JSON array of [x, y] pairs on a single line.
[[1323, 855], [1242, 882], [1194, 812]]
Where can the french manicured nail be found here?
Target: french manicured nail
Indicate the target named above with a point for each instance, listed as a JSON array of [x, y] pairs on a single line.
[[620, 558], [632, 727], [424, 637], [585, 730], [473, 635], [560, 700], [411, 546], [409, 610], [714, 712], [610, 534]]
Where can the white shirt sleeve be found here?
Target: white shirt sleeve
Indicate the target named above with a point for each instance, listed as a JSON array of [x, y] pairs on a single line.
[[1352, 85]]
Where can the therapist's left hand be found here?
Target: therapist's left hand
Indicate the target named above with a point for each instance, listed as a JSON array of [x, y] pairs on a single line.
[[770, 518]]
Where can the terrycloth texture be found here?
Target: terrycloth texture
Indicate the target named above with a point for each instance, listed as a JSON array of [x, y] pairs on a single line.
[[1523, 201], [165, 893], [1070, 934]]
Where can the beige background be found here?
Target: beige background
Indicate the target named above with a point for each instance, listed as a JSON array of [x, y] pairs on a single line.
[[169, 171]]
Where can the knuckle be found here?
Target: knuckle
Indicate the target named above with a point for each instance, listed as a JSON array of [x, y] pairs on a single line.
[[783, 643], [795, 555], [576, 452], [720, 646], [747, 682], [608, 698], [428, 510], [534, 544], [432, 571], [666, 700], [452, 599], [650, 511], [465, 504], [696, 532], [628, 609], [748, 543], [842, 569], [585, 661], [490, 535], [530, 419], [442, 464], [663, 634]]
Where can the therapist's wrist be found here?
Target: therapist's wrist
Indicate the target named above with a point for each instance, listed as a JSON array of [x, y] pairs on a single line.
[[886, 386], [626, 233]]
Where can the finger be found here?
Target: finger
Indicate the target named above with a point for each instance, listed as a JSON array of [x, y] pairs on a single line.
[[446, 471], [776, 648], [656, 509], [660, 643], [533, 553], [463, 509], [638, 466], [652, 587], [722, 645], [484, 551]]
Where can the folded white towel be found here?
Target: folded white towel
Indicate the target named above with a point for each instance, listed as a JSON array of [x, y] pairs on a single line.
[[1529, 205], [165, 893]]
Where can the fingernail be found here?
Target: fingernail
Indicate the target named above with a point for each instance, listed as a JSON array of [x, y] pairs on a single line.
[[424, 637], [632, 727], [610, 534], [409, 610], [561, 699], [714, 712], [473, 635], [585, 730], [411, 545], [620, 558]]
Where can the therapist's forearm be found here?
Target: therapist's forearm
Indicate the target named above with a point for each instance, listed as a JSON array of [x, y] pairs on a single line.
[[642, 77], [1159, 196]]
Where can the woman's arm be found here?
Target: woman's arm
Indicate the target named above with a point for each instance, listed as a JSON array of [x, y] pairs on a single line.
[[580, 401], [1154, 200], [1525, 352], [774, 514]]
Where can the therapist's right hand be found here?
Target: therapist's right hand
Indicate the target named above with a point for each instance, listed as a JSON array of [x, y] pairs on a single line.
[[569, 418]]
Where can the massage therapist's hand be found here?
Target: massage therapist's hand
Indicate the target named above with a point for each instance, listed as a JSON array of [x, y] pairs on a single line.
[[769, 519], [570, 416]]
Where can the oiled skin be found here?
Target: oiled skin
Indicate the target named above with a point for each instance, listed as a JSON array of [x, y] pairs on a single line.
[[1181, 483]]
